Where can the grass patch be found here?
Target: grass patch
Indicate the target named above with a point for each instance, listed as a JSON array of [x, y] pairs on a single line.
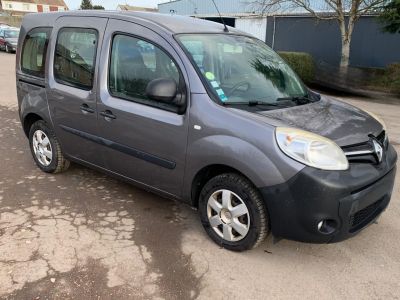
[[386, 80]]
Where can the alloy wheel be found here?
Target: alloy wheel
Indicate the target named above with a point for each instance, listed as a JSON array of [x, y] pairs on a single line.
[[228, 215], [42, 148]]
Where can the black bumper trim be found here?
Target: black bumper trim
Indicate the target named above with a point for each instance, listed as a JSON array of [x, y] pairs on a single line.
[[298, 205]]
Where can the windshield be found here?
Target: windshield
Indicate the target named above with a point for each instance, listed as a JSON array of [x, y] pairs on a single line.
[[241, 69], [11, 34]]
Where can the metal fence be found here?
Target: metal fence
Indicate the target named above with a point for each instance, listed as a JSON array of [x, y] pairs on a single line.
[[370, 46]]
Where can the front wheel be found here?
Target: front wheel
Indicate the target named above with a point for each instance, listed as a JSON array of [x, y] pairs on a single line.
[[7, 49], [45, 148], [233, 213]]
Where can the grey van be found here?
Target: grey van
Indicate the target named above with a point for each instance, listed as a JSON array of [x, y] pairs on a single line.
[[212, 117]]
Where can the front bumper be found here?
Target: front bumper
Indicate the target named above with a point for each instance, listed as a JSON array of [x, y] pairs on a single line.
[[350, 200]]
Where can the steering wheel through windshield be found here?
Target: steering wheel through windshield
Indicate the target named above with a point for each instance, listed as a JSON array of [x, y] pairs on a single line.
[[237, 86]]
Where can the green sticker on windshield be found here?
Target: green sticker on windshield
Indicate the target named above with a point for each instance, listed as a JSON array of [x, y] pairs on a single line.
[[210, 76]]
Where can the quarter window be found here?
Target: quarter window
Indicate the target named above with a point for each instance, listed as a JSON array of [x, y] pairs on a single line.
[[134, 63], [75, 56], [34, 51]]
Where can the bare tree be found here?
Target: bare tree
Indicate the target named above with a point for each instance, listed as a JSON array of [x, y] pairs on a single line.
[[345, 12]]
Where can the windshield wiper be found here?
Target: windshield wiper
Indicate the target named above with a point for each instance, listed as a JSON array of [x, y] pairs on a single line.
[[296, 99], [253, 103]]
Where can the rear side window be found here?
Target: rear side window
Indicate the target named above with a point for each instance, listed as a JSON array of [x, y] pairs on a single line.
[[33, 58], [75, 56]]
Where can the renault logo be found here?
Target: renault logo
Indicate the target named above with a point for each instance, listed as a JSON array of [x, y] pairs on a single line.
[[378, 150]]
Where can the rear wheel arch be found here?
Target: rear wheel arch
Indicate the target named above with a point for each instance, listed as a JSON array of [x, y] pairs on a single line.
[[29, 120]]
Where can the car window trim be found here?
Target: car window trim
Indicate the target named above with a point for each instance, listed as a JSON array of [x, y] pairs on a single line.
[[70, 84], [34, 73], [182, 86]]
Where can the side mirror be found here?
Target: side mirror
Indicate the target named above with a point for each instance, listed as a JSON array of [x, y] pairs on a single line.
[[162, 89]]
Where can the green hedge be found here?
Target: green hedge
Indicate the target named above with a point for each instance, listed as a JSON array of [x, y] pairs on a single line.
[[302, 63], [387, 80]]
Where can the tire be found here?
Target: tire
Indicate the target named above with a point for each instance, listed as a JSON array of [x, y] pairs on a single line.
[[54, 163], [7, 50], [245, 226]]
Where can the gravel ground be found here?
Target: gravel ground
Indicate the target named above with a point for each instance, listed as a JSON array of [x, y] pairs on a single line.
[[83, 235]]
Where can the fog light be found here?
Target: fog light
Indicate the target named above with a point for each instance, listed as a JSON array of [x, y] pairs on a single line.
[[327, 226]]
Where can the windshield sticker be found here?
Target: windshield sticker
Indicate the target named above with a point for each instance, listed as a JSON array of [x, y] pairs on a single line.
[[221, 95], [220, 92], [210, 76], [214, 84], [223, 98]]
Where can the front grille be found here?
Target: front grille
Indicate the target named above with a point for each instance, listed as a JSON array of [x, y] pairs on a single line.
[[365, 215], [365, 152], [382, 138]]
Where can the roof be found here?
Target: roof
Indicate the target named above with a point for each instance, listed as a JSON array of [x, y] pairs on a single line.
[[171, 24], [136, 8], [44, 2]]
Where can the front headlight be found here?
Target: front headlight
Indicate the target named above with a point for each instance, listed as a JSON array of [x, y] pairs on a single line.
[[311, 149]]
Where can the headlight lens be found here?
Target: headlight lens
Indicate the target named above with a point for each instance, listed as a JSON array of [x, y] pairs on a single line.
[[311, 149], [377, 118]]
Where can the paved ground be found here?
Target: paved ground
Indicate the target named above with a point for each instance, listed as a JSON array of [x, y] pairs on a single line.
[[83, 235]]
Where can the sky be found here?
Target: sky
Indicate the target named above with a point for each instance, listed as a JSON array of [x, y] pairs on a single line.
[[112, 4]]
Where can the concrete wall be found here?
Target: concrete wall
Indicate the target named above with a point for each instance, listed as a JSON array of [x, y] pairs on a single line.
[[370, 46]]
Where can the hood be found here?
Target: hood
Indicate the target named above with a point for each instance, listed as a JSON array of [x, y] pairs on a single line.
[[336, 120], [13, 41]]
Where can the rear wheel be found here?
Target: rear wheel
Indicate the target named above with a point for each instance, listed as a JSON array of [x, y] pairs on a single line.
[[46, 150], [233, 213]]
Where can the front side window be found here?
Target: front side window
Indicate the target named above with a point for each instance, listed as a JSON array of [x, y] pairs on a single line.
[[134, 63], [75, 56], [34, 51], [240, 69]]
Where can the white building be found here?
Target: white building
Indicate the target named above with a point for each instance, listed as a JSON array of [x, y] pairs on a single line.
[[21, 7], [126, 7]]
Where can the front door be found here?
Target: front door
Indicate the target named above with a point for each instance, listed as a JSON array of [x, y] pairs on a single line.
[[76, 45], [144, 140]]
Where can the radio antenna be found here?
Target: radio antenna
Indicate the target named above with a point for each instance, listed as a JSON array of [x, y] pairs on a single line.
[[222, 19]]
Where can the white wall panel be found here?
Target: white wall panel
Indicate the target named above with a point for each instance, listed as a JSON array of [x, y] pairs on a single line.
[[254, 26]]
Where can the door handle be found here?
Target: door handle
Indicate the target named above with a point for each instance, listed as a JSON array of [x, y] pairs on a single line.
[[108, 115], [86, 109]]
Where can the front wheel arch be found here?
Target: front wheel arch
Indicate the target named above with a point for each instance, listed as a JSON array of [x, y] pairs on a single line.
[[205, 174]]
